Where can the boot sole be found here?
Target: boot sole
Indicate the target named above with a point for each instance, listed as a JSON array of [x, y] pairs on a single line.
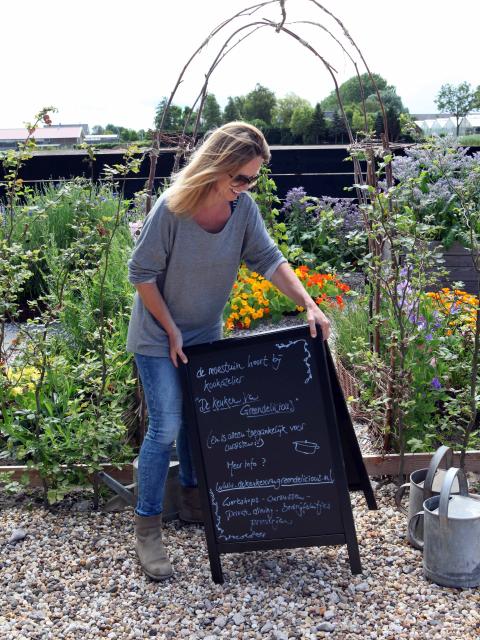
[[157, 578], [191, 520], [154, 577]]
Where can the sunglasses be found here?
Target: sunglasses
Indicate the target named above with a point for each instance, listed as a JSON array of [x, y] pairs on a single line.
[[243, 181]]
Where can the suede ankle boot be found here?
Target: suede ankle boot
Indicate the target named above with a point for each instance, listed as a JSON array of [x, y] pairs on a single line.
[[149, 547], [190, 508]]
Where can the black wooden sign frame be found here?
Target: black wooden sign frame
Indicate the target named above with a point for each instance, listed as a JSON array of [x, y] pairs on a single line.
[[331, 404]]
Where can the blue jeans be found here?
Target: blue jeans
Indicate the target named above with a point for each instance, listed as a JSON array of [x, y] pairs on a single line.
[[163, 393]]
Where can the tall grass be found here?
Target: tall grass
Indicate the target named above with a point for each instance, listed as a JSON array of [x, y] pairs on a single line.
[[52, 218], [80, 315], [349, 326]]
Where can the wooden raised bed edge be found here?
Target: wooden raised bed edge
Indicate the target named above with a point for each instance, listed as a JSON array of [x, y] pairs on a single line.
[[376, 465]]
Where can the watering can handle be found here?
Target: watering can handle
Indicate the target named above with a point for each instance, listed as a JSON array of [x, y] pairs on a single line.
[[412, 529], [399, 495], [450, 476], [440, 453]]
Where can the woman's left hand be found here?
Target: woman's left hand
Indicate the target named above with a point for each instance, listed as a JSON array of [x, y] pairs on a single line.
[[316, 316]]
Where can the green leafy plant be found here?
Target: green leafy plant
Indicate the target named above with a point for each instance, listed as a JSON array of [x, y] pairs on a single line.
[[65, 401], [324, 233], [267, 202]]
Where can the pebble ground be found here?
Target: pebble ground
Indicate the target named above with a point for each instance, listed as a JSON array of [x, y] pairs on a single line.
[[75, 575]]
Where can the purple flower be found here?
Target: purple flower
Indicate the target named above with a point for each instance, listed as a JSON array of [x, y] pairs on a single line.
[[293, 200], [438, 320], [421, 323], [436, 384], [345, 209]]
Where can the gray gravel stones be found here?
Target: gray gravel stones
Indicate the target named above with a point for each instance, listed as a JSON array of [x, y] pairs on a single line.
[[75, 577]]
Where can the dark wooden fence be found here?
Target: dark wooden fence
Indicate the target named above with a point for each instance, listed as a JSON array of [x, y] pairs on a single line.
[[321, 170]]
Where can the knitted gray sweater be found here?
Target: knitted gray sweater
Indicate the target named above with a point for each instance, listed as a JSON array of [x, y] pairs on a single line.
[[194, 271]]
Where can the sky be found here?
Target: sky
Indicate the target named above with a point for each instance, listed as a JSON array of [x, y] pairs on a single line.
[[111, 61]]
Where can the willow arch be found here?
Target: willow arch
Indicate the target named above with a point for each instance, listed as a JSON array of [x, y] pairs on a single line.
[[366, 148]]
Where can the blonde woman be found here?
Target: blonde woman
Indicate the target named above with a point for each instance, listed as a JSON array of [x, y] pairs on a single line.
[[183, 267]]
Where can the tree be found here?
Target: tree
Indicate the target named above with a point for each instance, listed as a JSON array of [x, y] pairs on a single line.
[[338, 130], [317, 131], [282, 113], [390, 100], [351, 93], [174, 118], [301, 120], [211, 114], [458, 100], [393, 122], [231, 111], [98, 130], [259, 104], [189, 117]]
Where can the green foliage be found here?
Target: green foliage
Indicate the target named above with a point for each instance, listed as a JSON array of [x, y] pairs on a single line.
[[301, 119], [324, 234], [415, 379], [55, 420], [173, 120], [317, 130], [338, 130], [472, 140], [259, 104], [284, 108], [355, 103], [267, 201], [351, 91], [232, 112], [211, 113], [441, 173], [66, 400]]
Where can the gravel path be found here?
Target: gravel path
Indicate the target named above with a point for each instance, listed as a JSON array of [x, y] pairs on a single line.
[[75, 575]]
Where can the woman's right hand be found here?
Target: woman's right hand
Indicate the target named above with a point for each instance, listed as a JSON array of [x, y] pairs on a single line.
[[175, 340]]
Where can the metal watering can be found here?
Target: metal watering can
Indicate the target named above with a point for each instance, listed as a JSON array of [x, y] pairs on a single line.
[[423, 484], [451, 545]]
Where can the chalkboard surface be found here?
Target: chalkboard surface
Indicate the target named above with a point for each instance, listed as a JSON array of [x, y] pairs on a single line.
[[267, 452]]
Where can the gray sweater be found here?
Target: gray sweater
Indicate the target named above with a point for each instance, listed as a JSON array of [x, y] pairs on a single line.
[[194, 271]]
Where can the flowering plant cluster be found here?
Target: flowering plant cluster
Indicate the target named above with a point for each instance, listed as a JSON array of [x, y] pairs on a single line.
[[459, 307], [23, 380], [327, 233], [438, 171], [253, 297]]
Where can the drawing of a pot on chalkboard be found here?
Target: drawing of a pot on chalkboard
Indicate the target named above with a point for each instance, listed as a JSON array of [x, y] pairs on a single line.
[[304, 446]]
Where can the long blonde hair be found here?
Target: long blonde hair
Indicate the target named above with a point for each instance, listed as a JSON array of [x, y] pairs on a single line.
[[223, 150]]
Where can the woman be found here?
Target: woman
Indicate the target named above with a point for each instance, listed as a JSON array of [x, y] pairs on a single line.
[[183, 266]]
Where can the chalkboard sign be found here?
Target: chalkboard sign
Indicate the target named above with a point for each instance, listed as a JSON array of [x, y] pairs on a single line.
[[266, 445]]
